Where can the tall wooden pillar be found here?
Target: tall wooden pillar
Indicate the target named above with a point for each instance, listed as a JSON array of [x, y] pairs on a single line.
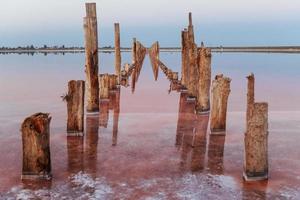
[[204, 64], [250, 97], [91, 57], [184, 58], [117, 52]]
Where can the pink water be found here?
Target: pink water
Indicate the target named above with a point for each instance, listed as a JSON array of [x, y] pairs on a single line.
[[160, 150]]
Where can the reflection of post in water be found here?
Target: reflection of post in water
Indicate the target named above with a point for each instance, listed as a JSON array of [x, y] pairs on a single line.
[[199, 143], [91, 143], [185, 127], [216, 153], [116, 108], [75, 154], [104, 113], [255, 190]]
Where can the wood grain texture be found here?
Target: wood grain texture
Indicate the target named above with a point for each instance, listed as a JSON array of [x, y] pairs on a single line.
[[36, 147], [117, 51]]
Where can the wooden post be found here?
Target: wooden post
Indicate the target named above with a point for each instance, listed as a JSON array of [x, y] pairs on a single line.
[[193, 80], [104, 86], [191, 30], [113, 81], [75, 105], [117, 52], [91, 57], [256, 144], [134, 51], [203, 96], [154, 57], [250, 97], [184, 58], [220, 93], [36, 148]]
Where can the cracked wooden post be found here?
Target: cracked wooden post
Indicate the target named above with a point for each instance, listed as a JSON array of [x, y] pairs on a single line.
[[154, 57], [104, 86], [134, 51], [184, 58], [91, 57], [256, 144], [117, 52], [220, 93], [75, 106], [203, 96], [250, 97], [36, 147]]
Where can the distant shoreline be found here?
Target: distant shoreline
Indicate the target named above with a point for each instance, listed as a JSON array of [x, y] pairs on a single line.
[[246, 49]]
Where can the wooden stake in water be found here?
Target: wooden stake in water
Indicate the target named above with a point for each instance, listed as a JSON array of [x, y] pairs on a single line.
[[154, 57], [75, 105], [104, 86], [91, 57], [134, 51], [250, 97], [220, 93], [117, 52], [36, 147], [256, 144], [204, 64], [184, 58]]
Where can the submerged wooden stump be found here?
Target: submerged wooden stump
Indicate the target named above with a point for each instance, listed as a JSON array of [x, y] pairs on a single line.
[[36, 147], [203, 97], [91, 57], [75, 104], [104, 86], [117, 52], [220, 93], [256, 144]]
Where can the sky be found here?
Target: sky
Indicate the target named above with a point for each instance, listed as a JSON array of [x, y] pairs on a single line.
[[216, 22]]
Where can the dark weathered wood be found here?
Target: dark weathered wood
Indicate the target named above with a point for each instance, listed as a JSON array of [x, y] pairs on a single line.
[[184, 58], [36, 147], [104, 86], [75, 105], [256, 144], [250, 97], [193, 80], [204, 65], [91, 57], [134, 51], [220, 94], [154, 57], [117, 52]]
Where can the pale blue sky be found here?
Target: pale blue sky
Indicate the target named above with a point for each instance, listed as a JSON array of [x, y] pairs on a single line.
[[217, 22]]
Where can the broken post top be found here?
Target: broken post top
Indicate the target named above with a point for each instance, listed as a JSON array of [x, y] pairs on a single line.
[[222, 82], [90, 10], [250, 77], [190, 19], [37, 122]]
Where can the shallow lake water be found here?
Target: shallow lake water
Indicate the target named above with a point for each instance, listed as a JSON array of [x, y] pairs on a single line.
[[146, 147]]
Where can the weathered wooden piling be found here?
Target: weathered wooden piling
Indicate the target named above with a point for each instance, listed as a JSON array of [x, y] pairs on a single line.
[[193, 80], [256, 144], [203, 96], [134, 50], [36, 147], [184, 58], [250, 97], [91, 57], [75, 106], [113, 82], [104, 86], [154, 57], [220, 94], [117, 52]]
